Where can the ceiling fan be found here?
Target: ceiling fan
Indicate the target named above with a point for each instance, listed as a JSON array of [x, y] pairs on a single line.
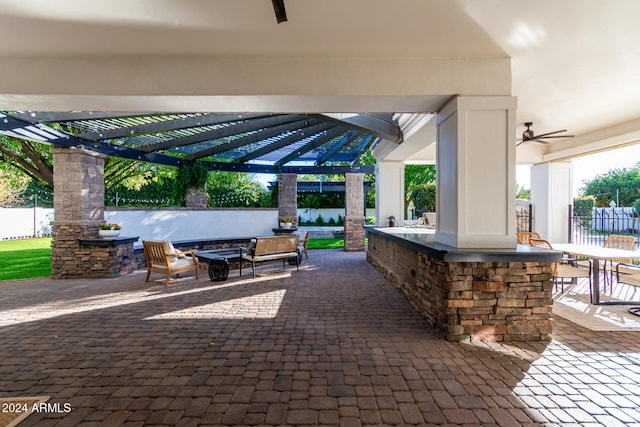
[[529, 136]]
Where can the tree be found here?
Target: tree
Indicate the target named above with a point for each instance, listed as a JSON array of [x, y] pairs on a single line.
[[133, 174], [424, 196], [28, 158], [583, 210], [620, 185], [236, 189], [523, 193], [21, 158], [419, 182], [11, 186]]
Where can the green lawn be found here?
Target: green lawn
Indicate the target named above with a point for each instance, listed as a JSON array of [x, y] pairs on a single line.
[[24, 258], [20, 259], [333, 243], [328, 243]]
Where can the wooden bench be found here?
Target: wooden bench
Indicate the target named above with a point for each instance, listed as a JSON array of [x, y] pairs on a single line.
[[272, 248]]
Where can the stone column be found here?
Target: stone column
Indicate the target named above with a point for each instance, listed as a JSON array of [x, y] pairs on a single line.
[[196, 197], [287, 196], [476, 160], [78, 203], [354, 212]]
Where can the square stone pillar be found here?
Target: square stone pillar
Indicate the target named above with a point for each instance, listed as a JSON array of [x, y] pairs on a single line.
[[288, 196], [196, 197], [354, 212], [78, 203], [476, 161]]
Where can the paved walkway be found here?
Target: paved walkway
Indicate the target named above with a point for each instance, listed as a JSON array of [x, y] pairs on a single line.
[[332, 344]]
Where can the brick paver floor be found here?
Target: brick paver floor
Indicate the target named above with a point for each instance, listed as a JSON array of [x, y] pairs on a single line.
[[332, 344]]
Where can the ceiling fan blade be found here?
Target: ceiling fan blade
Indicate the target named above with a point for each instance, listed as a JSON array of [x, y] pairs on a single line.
[[557, 136], [550, 133]]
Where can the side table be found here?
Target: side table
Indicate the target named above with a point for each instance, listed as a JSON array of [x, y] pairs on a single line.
[[218, 261]]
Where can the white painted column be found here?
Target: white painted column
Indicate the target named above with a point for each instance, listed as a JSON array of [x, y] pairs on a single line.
[[476, 172], [551, 195], [389, 192]]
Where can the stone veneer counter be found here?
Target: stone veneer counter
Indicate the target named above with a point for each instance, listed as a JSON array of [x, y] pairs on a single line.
[[469, 294], [105, 257]]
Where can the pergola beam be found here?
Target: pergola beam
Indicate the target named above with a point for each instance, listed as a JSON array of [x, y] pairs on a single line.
[[272, 169], [337, 147], [290, 139], [253, 138], [72, 116], [168, 125], [378, 125], [224, 132], [316, 142], [19, 129]]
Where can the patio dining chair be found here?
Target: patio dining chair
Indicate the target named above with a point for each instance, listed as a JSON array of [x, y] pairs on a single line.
[[617, 242], [163, 258], [524, 236], [563, 271]]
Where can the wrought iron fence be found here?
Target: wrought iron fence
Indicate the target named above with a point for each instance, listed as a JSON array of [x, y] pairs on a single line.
[[524, 217], [602, 223]]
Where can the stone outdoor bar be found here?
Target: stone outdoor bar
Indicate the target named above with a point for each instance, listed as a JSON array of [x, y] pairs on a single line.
[[469, 294]]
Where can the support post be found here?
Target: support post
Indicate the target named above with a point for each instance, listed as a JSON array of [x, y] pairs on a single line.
[[287, 196], [389, 192], [476, 172], [78, 203], [354, 213]]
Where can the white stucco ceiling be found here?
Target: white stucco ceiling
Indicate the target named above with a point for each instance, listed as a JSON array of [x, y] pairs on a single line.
[[575, 63]]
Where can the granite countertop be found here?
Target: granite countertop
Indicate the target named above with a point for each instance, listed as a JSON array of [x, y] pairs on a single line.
[[423, 240]]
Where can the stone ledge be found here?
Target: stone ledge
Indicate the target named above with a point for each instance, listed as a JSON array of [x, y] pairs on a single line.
[[107, 242]]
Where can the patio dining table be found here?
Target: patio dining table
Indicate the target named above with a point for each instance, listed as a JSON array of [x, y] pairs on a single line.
[[597, 254]]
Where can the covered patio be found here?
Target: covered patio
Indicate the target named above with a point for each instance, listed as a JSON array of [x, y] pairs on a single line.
[[330, 345], [335, 344]]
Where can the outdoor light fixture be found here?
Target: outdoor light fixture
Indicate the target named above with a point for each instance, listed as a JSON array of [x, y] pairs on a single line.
[[281, 13]]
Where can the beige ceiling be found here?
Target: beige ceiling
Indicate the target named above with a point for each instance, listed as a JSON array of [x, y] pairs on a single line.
[[575, 64]]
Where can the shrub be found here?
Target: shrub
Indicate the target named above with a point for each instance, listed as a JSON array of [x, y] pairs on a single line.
[[636, 207], [583, 210], [424, 196]]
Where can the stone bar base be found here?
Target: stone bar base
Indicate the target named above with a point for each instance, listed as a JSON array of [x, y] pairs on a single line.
[[354, 234], [477, 301]]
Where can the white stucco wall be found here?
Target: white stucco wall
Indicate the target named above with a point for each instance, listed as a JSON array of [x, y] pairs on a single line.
[[19, 223], [182, 224]]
